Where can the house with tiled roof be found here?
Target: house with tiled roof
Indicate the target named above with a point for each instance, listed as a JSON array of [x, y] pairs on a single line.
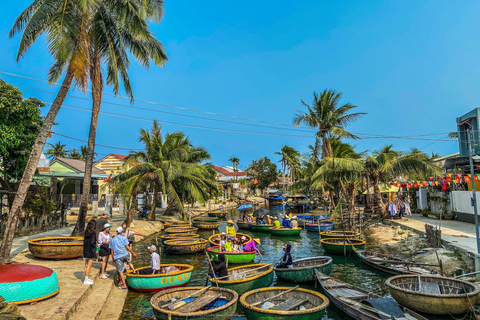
[[227, 174], [111, 163]]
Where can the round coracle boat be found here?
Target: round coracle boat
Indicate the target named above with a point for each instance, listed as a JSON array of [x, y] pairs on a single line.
[[181, 224], [244, 225], [215, 239], [303, 270], [261, 227], [182, 236], [342, 245], [433, 294], [176, 230], [26, 283], [56, 247], [232, 257], [320, 226], [282, 303], [217, 214], [339, 234], [285, 231], [170, 276], [200, 303], [205, 219], [205, 225], [187, 246]]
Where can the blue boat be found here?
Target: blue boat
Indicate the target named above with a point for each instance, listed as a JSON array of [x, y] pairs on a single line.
[[323, 226], [308, 215], [273, 196]]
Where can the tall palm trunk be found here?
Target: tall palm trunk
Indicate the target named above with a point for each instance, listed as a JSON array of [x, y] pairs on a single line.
[[97, 90], [327, 151], [377, 197], [24, 185], [151, 215], [131, 210]]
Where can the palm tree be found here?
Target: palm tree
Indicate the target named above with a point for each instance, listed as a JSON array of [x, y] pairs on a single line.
[[74, 154], [117, 28], [327, 118], [165, 166], [235, 162], [57, 150], [83, 153], [290, 159]]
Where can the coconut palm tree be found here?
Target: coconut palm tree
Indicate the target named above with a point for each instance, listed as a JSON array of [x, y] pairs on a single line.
[[290, 159], [235, 162], [83, 152], [329, 119], [57, 150], [74, 154]]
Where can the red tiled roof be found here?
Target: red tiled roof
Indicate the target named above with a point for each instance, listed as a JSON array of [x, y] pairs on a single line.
[[230, 174], [119, 156]]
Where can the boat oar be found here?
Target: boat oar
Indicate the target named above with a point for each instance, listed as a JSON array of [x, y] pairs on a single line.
[[261, 257], [275, 296], [363, 306], [213, 271]]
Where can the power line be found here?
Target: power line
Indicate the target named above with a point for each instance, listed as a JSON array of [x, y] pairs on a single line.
[[96, 144]]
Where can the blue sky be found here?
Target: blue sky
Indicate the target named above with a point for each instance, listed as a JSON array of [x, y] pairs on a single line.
[[411, 65]]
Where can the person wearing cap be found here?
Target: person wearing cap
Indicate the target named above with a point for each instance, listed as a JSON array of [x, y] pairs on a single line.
[[276, 223], [102, 221], [103, 241], [154, 261], [286, 223], [129, 234], [230, 231], [294, 222], [120, 248]]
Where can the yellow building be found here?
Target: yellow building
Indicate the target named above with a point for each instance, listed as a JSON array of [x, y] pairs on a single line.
[[111, 164]]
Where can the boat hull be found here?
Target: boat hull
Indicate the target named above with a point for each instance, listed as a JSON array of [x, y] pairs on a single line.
[[182, 236], [217, 214], [244, 225], [285, 232], [48, 248], [262, 280], [202, 225], [176, 230], [261, 227], [151, 283], [233, 258], [189, 246], [342, 247], [214, 242], [303, 274], [338, 234], [324, 226]]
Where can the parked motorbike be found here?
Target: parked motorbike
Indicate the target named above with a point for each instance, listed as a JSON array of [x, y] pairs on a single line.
[[143, 214]]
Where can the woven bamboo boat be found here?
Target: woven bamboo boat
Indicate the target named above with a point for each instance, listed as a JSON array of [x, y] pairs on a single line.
[[310, 216], [195, 302], [261, 227], [244, 225], [322, 226], [390, 264], [433, 294], [287, 302], [188, 246], [303, 270], [161, 281], [339, 234], [362, 304], [246, 278], [217, 214], [215, 239], [182, 236], [205, 225], [56, 247], [233, 257], [180, 230], [342, 245], [176, 224], [285, 232], [205, 219]]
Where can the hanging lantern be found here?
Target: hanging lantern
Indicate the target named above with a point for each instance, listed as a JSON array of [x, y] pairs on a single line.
[[475, 178], [467, 179]]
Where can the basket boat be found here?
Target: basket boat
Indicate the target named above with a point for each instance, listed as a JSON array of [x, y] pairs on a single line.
[[180, 230], [261, 227], [303, 270], [205, 225], [338, 234], [244, 225], [205, 219], [322, 226], [163, 280], [310, 215], [56, 247], [285, 232], [195, 302], [287, 302], [246, 278], [362, 304], [188, 246], [217, 214], [26, 283], [342, 245], [215, 239], [176, 224], [182, 236], [433, 294], [390, 264], [233, 257]]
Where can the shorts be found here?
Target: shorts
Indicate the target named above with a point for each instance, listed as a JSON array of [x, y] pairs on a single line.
[[120, 263], [104, 251]]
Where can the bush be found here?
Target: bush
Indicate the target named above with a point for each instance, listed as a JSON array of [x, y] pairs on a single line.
[[39, 203]]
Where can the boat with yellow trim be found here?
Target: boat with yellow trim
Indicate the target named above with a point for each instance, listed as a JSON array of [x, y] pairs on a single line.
[[342, 245], [215, 239], [285, 231], [246, 278], [232, 257], [170, 276]]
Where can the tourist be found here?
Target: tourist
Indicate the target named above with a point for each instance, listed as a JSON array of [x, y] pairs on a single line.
[[154, 262], [294, 222], [276, 223], [286, 223], [103, 242], [223, 239], [228, 245], [250, 246], [120, 249], [231, 233], [250, 218], [287, 257], [103, 220], [269, 220], [129, 234], [220, 267], [89, 249]]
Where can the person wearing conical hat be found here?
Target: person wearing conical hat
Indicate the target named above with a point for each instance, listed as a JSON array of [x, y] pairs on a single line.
[[230, 231]]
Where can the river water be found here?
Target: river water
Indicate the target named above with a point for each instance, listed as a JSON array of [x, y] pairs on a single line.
[[348, 269]]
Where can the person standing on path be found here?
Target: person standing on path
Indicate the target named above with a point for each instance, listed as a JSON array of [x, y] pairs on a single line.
[[154, 262], [104, 239], [102, 221], [120, 249], [89, 249]]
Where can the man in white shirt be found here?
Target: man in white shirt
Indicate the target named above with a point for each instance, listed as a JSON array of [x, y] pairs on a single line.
[[154, 262]]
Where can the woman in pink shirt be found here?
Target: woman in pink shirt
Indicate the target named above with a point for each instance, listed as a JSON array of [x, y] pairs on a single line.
[[250, 246]]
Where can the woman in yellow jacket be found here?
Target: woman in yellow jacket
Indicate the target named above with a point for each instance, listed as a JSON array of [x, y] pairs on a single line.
[[230, 231]]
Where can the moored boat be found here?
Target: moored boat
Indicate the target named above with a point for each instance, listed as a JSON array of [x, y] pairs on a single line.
[[285, 232], [339, 234], [180, 230], [303, 270], [233, 257], [244, 225], [285, 303], [310, 216], [217, 214], [362, 304], [322, 226], [187, 246], [215, 239], [205, 219], [182, 236], [205, 225], [170, 276], [194, 302], [261, 227], [176, 224], [433, 294], [56, 247], [342, 245], [246, 278]]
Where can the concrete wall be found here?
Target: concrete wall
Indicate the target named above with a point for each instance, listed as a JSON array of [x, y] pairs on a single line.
[[436, 205], [461, 203]]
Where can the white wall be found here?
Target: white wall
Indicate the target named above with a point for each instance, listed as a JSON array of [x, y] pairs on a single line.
[[437, 206], [461, 201]]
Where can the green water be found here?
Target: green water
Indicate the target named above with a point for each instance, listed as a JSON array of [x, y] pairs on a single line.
[[350, 269]]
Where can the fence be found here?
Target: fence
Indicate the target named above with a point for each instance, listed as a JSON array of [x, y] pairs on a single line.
[[434, 236], [51, 221]]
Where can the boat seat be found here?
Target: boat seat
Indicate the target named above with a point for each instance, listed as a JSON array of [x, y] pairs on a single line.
[[198, 303], [289, 304], [430, 287]]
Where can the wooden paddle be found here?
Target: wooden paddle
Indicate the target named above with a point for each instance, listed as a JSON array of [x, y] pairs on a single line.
[[363, 306], [245, 272], [213, 271], [275, 296]]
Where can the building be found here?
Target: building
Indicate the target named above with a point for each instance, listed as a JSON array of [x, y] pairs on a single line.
[[227, 174]]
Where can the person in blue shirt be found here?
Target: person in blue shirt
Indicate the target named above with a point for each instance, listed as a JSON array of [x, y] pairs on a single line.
[[120, 248], [286, 223]]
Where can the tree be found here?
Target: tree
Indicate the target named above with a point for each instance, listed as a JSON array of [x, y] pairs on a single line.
[[264, 170], [327, 118], [74, 154], [57, 150], [20, 124], [64, 25], [290, 159], [117, 28], [235, 162], [83, 152]]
